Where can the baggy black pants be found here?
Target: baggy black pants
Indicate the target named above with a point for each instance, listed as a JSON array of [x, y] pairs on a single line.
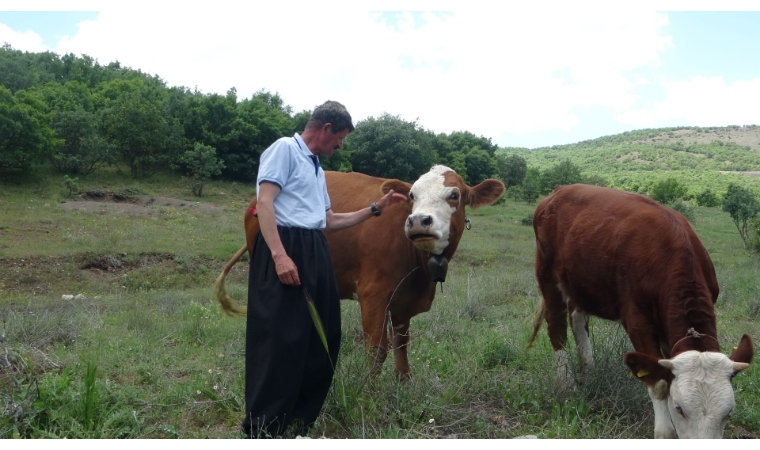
[[287, 370]]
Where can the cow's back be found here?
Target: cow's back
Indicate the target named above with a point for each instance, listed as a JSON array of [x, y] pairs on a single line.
[[607, 247]]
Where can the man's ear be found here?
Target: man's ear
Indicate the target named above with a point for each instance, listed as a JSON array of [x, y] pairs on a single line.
[[651, 371]]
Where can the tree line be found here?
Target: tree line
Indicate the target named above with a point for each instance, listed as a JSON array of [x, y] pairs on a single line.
[[80, 116]]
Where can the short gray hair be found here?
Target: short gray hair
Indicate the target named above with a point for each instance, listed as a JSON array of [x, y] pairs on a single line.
[[333, 113]]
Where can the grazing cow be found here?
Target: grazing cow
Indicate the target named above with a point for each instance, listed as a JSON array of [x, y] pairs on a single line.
[[391, 263], [621, 256]]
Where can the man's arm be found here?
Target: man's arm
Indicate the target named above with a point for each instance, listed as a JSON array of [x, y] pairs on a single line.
[[339, 221], [286, 268]]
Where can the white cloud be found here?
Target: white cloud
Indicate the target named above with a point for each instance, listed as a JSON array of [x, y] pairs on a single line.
[[703, 101], [27, 41], [485, 69]]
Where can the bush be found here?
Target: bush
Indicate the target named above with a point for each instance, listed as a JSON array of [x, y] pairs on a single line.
[[684, 208], [707, 198], [668, 190]]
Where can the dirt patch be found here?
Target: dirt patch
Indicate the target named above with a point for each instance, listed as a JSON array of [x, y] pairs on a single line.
[[744, 174], [102, 273], [747, 136], [115, 203]]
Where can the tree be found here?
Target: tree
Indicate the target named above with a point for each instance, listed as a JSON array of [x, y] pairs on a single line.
[[480, 166], [25, 135], [390, 147], [202, 164], [667, 190], [531, 186], [563, 173], [742, 206], [146, 139], [511, 169], [82, 148]]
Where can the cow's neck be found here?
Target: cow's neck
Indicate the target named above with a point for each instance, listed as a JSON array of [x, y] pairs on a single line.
[[691, 310]]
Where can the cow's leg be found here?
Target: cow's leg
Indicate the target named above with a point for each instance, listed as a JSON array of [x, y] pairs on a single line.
[[555, 313], [644, 340], [663, 426], [579, 322], [374, 323], [400, 330]]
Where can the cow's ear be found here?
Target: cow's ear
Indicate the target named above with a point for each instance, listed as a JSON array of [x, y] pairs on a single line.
[[651, 371], [743, 354], [485, 193], [398, 186]]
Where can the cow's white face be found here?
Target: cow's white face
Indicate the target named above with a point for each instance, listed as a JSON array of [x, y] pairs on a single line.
[[701, 396], [433, 204]]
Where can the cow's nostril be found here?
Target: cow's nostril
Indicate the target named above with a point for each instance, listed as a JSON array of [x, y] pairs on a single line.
[[409, 222], [426, 221]]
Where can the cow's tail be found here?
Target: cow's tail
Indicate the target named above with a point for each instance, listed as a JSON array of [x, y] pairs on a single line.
[[537, 322], [229, 306]]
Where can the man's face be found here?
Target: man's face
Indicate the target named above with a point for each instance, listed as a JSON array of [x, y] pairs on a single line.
[[331, 141]]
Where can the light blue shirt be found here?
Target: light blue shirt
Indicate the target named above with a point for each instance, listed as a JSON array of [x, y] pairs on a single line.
[[303, 198]]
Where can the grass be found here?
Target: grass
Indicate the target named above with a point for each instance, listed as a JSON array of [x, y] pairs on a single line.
[[147, 355]]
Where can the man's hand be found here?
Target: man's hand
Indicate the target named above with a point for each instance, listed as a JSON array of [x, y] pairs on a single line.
[[286, 270], [389, 199]]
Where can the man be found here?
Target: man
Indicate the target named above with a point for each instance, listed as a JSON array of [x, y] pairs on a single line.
[[288, 371]]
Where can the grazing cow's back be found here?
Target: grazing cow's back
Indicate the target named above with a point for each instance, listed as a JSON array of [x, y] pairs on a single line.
[[390, 263], [621, 256]]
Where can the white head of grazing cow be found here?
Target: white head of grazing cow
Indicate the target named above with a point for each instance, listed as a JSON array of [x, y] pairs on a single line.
[[691, 392], [701, 396]]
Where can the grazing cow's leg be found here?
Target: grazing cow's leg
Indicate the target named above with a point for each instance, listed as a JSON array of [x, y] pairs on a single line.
[[555, 313], [579, 322], [374, 323], [400, 330], [643, 340], [663, 426]]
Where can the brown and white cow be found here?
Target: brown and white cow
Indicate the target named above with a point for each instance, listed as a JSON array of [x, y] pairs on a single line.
[[391, 263], [621, 256]]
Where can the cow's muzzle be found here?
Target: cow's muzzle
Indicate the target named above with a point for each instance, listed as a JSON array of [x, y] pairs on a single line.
[[438, 265]]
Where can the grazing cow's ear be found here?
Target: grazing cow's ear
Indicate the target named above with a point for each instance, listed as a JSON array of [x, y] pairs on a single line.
[[743, 354], [485, 193], [398, 186], [650, 370]]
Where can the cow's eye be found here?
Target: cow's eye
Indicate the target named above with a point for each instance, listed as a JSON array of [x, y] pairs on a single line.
[[411, 196], [454, 196], [680, 411]]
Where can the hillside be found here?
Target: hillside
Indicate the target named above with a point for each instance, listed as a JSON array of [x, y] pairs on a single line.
[[698, 157]]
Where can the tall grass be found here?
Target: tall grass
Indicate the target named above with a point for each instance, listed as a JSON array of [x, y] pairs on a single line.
[[152, 357]]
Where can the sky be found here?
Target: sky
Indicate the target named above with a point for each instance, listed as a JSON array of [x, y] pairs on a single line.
[[550, 73]]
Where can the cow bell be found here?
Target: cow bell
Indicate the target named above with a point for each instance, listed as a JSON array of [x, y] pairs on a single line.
[[438, 265]]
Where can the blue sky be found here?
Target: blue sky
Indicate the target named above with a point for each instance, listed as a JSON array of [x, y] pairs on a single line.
[[527, 76]]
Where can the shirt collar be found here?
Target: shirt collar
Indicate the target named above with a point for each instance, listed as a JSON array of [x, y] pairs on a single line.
[[302, 145]]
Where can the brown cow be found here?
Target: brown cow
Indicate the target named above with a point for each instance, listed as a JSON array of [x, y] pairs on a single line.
[[391, 263], [621, 256]]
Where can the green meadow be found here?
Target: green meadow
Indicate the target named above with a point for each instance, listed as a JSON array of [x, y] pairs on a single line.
[[145, 353]]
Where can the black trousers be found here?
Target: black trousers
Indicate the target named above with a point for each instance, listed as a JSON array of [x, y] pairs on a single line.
[[287, 369]]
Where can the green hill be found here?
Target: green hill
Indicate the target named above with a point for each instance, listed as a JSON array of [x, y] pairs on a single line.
[[697, 157]]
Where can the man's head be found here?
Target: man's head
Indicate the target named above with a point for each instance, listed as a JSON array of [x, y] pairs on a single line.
[[329, 124]]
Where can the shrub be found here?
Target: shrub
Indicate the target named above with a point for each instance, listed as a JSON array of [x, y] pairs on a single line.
[[684, 208], [668, 190], [707, 198]]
